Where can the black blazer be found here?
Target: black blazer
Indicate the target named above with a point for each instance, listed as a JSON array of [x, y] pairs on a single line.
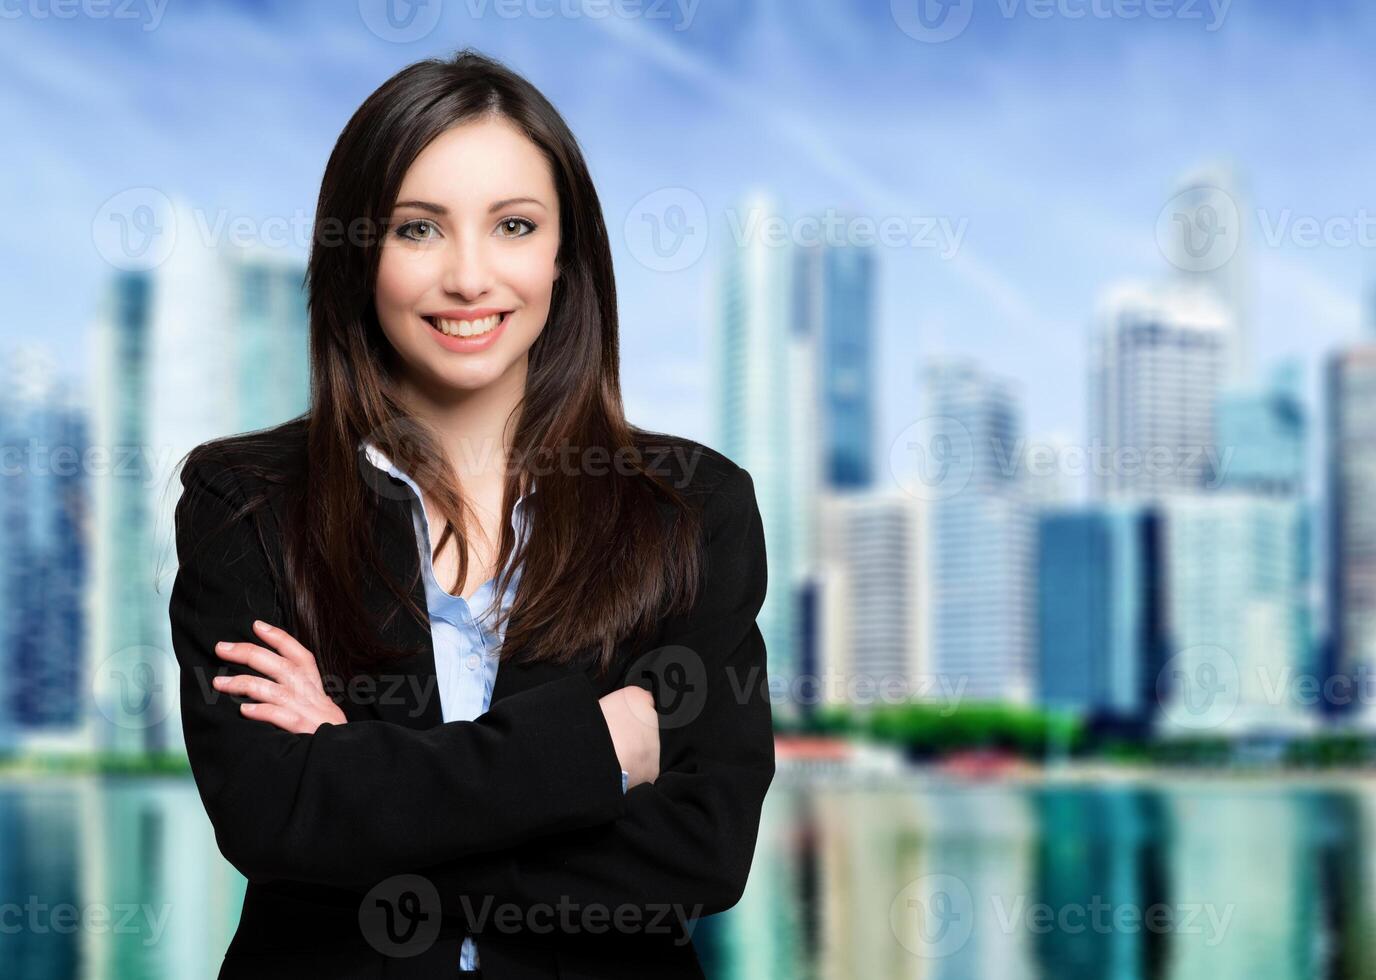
[[373, 848]]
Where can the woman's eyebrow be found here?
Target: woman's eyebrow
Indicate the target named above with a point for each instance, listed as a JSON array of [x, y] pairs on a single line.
[[440, 209]]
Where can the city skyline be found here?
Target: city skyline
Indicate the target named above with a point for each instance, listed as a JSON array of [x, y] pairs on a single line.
[[1045, 331], [1017, 205]]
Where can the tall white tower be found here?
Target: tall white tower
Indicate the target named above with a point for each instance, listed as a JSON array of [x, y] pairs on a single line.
[[1159, 357]]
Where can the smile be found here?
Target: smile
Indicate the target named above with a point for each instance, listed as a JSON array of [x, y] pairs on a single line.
[[466, 328]]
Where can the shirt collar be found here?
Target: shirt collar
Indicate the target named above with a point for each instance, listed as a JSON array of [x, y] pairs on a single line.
[[441, 603], [379, 459]]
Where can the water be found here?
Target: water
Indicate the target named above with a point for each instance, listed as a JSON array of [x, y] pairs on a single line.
[[1206, 879], [1193, 879]]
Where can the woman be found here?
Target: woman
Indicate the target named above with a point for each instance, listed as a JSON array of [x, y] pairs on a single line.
[[470, 674]]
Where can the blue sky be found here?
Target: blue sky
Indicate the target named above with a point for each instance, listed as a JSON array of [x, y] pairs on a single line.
[[1052, 139]]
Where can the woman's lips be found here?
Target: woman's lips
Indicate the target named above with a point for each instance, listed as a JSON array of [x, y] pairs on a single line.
[[469, 344]]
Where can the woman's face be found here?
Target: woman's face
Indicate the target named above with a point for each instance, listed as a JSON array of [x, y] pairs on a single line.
[[475, 230]]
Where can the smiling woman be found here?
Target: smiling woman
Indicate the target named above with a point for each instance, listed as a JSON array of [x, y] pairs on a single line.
[[446, 241], [469, 664]]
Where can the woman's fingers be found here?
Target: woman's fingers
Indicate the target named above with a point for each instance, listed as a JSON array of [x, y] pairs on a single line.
[[251, 655], [284, 643], [273, 704], [293, 690], [633, 724], [294, 698], [258, 688]]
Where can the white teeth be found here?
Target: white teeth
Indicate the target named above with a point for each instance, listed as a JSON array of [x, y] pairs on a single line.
[[468, 328]]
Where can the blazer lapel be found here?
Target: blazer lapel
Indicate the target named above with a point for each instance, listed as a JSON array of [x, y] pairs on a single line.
[[406, 691]]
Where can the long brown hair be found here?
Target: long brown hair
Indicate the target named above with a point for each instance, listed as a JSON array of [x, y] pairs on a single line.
[[601, 562]]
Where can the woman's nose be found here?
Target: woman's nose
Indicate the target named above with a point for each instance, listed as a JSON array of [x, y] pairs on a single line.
[[467, 269]]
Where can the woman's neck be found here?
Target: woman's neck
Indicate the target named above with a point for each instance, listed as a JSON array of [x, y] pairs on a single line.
[[476, 426]]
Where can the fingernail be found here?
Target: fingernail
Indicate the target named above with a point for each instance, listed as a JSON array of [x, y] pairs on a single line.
[[223, 645], [217, 681], [259, 624]]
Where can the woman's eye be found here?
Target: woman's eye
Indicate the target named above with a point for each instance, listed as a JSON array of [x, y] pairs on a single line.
[[418, 223], [507, 223]]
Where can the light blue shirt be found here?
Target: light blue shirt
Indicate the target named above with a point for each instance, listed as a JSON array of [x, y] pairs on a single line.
[[466, 645]]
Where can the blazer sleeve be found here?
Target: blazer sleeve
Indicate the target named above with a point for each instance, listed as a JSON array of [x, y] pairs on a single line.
[[686, 840], [354, 803]]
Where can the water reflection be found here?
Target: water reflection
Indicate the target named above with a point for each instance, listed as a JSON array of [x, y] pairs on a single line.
[[1195, 879], [1191, 880], [111, 878]]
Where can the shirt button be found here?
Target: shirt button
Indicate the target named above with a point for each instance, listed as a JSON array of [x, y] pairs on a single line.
[[472, 661]]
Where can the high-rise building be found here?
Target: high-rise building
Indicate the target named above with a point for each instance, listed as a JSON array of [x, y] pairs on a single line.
[[981, 539], [1098, 622], [1350, 396], [1237, 572], [124, 625], [1159, 357], [1261, 435], [1236, 618], [835, 298], [765, 408], [832, 410], [212, 341], [43, 530], [875, 609]]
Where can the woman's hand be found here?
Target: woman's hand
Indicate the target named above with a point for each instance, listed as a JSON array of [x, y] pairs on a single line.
[[292, 694], [634, 724]]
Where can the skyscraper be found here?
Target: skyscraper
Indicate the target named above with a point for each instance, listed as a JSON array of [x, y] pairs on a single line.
[[210, 342], [981, 540], [1350, 397], [835, 300], [1098, 623], [876, 587], [765, 405], [1159, 357], [1261, 430], [832, 415], [1237, 569], [123, 611], [43, 528]]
